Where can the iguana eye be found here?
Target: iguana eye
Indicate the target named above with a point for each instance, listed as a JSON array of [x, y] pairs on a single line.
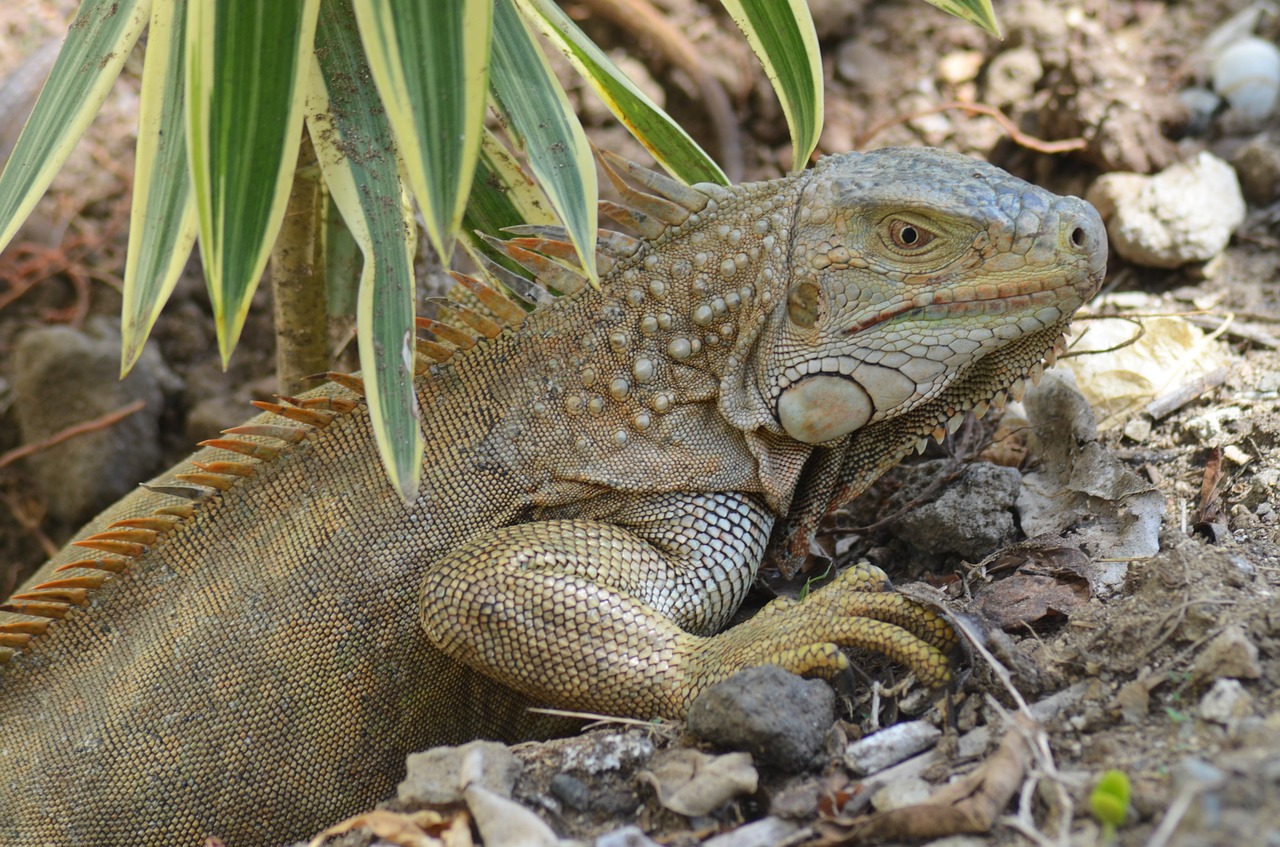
[[908, 236]]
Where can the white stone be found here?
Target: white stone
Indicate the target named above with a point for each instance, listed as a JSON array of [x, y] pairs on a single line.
[[1186, 213]]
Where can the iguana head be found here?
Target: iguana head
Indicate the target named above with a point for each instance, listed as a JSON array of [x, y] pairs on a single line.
[[907, 267]]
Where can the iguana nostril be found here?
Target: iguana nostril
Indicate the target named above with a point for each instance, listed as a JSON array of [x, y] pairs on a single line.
[[1077, 237]]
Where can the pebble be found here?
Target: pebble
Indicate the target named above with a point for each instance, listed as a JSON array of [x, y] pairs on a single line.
[[1186, 213], [1257, 166], [1225, 703], [1247, 74], [1231, 654]]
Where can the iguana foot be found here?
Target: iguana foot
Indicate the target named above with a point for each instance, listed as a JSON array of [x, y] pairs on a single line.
[[808, 636]]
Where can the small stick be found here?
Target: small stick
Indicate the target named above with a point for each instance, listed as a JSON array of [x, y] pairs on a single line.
[[1169, 402]]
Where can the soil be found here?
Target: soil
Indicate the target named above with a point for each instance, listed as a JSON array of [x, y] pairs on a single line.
[[1171, 671]]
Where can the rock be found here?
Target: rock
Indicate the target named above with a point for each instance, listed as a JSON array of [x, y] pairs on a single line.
[[971, 518], [571, 791], [1186, 213], [1226, 703], [780, 718], [1257, 166], [889, 746], [628, 836], [1230, 654], [1247, 74], [1012, 77], [436, 775], [62, 377]]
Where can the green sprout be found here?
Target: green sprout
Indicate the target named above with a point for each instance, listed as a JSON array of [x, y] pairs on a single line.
[[1110, 802]]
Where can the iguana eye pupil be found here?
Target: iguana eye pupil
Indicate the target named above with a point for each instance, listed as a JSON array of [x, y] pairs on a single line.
[[908, 236]]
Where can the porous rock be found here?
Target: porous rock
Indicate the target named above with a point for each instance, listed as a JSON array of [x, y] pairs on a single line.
[[778, 717], [972, 517]]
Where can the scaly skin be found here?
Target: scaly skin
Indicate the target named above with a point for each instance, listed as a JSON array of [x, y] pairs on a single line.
[[601, 485]]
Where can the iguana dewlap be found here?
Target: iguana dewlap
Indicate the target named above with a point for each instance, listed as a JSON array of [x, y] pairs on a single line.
[[250, 647]]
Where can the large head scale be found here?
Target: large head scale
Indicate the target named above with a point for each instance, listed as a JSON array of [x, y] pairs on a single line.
[[909, 266]]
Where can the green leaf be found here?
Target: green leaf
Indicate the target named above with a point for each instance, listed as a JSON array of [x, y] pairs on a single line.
[[245, 64], [98, 42], [162, 222], [360, 164], [974, 11], [665, 140], [430, 62], [783, 38], [544, 123]]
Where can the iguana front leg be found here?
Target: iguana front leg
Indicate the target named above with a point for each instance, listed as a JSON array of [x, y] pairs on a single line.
[[619, 617]]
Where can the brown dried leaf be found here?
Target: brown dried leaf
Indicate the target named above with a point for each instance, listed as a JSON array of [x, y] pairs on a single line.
[[693, 783]]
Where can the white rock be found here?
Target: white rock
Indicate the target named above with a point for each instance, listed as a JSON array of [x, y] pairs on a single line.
[[1226, 702], [1247, 74], [1185, 213]]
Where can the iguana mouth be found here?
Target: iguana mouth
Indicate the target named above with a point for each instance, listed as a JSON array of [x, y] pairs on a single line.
[[945, 304]]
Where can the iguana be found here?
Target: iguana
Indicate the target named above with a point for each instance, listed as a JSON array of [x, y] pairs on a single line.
[[249, 646]]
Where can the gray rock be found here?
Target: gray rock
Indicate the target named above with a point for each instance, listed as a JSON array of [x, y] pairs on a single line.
[[1257, 166], [436, 775], [780, 718], [64, 377], [973, 517], [1186, 213]]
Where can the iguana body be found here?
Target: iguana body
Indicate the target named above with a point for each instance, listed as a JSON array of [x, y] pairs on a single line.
[[601, 482]]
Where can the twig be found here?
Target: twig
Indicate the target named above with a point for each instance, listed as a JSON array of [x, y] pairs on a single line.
[[94, 425], [1171, 401], [1016, 135]]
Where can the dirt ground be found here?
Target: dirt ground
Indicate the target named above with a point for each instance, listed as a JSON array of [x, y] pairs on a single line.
[[1144, 630]]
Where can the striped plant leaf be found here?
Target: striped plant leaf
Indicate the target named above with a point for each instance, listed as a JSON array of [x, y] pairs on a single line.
[[162, 222], [502, 195], [543, 123], [430, 62], [245, 64], [98, 42], [665, 140], [783, 38], [974, 11], [360, 164]]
